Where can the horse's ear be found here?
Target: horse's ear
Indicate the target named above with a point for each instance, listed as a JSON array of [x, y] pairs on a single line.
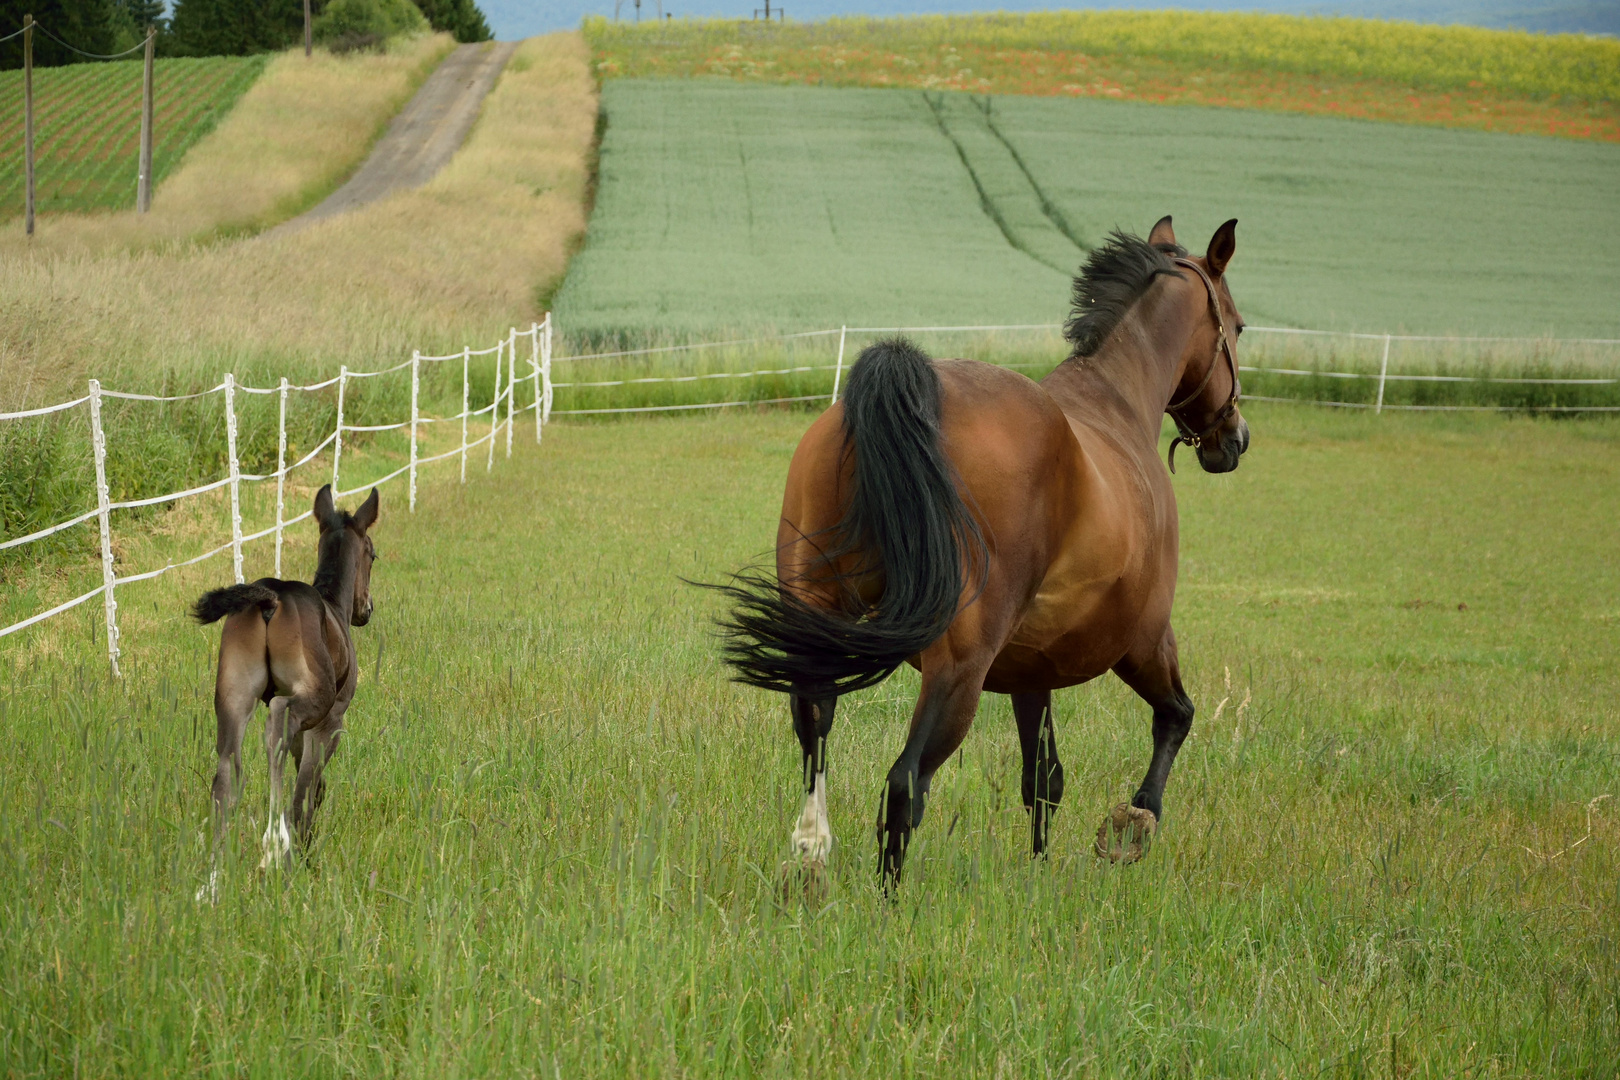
[[1162, 233], [1221, 248], [325, 512], [366, 516]]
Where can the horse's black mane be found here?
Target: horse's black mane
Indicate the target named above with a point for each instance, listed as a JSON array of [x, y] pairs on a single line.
[[1114, 277], [329, 568]]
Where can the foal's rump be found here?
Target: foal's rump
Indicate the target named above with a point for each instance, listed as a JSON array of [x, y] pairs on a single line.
[[889, 520]]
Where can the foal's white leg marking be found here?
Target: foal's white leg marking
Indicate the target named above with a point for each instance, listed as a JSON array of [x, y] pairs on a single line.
[[812, 838], [277, 841]]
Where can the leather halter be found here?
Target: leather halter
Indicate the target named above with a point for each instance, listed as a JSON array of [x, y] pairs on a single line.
[[1186, 435]]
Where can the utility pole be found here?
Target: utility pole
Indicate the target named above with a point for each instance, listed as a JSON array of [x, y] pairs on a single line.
[[28, 124], [306, 29], [143, 188]]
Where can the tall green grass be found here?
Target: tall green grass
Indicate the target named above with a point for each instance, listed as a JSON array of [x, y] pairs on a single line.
[[551, 840]]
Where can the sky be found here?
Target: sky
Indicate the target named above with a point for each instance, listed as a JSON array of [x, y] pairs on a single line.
[[513, 19]]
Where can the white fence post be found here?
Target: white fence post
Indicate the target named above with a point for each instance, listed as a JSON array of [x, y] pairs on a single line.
[[495, 407], [466, 403], [534, 367], [236, 476], [281, 471], [98, 443], [545, 372], [838, 371], [511, 387], [416, 386], [1383, 373], [337, 437]]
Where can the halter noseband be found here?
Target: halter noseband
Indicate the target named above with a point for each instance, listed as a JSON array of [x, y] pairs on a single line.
[[1186, 435]]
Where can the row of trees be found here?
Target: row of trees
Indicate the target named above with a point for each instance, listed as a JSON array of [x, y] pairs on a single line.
[[219, 27]]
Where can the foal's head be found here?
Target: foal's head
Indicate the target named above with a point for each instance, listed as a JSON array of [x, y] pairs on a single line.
[[346, 553], [1205, 402]]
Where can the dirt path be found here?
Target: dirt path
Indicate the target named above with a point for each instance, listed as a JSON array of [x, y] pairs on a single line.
[[425, 134]]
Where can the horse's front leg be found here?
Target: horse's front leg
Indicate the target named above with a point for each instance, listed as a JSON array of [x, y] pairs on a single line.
[[1155, 675], [309, 790]]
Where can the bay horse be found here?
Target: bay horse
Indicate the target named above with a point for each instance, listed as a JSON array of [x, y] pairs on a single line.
[[1001, 535], [287, 644]]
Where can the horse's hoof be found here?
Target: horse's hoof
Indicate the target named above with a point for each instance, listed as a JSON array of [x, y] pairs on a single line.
[[804, 881], [1126, 833]]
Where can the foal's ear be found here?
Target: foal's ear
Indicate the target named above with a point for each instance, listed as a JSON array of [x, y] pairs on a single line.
[[1162, 233], [326, 515], [366, 516], [1221, 248]]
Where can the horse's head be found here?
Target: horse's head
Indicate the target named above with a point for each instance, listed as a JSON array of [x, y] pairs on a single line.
[[347, 549], [1205, 403]]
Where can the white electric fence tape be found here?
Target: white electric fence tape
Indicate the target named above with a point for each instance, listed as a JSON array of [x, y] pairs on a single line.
[[541, 357], [539, 333]]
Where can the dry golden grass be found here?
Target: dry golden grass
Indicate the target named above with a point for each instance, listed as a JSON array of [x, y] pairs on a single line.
[[300, 129], [458, 260]]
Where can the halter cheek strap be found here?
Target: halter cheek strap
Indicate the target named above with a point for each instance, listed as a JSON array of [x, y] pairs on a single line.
[[1185, 434]]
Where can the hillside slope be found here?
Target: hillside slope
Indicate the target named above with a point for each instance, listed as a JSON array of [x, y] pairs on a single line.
[[725, 206]]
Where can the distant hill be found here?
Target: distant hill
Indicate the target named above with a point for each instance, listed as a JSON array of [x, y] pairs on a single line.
[[512, 19]]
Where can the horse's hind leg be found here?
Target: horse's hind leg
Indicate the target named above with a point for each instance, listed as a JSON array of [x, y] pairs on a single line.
[[1043, 773], [277, 840], [940, 722], [812, 836], [319, 744], [1156, 678]]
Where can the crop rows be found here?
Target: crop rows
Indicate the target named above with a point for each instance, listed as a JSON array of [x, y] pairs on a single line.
[[87, 126], [800, 208]]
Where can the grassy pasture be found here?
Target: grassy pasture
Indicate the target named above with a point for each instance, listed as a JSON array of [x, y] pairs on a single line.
[[88, 125], [726, 207], [553, 831], [1446, 76]]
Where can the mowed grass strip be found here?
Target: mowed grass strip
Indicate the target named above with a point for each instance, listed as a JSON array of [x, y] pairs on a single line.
[[1451, 76], [552, 833], [725, 208], [88, 125]]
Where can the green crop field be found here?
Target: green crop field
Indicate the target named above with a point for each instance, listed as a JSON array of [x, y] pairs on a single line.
[[552, 836], [87, 126], [726, 207]]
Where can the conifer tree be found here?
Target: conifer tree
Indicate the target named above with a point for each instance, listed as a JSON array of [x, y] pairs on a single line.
[[85, 24]]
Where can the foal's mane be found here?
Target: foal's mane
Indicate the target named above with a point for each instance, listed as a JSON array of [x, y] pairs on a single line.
[[1114, 277], [329, 568]]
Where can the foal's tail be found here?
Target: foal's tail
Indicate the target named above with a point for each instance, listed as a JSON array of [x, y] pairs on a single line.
[[905, 519], [218, 603]]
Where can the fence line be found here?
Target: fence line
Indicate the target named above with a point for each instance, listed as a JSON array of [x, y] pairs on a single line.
[[540, 360], [540, 335], [1384, 376]]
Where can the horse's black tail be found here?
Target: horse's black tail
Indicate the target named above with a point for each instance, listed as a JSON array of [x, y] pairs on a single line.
[[218, 603], [905, 519]]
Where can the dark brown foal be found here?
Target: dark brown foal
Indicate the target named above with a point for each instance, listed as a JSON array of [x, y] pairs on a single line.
[[1000, 534], [287, 644]]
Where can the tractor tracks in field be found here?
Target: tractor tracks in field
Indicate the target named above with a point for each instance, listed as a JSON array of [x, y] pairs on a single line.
[[1009, 194]]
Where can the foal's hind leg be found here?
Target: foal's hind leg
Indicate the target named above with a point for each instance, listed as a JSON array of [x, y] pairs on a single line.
[[238, 687], [1043, 773], [277, 841], [318, 746], [1156, 678]]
